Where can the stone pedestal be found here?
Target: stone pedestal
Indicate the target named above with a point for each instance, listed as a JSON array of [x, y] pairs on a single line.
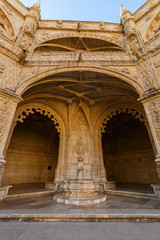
[[156, 188], [80, 192], [4, 191]]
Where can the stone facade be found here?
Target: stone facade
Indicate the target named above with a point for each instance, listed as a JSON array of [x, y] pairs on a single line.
[[66, 85]]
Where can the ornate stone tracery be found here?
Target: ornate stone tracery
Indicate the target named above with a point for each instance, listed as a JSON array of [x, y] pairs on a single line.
[[134, 113], [31, 110]]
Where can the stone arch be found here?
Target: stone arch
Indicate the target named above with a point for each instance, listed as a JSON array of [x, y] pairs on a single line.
[[79, 43], [127, 147], [30, 108], [39, 145], [111, 110], [23, 86], [131, 111], [48, 37]]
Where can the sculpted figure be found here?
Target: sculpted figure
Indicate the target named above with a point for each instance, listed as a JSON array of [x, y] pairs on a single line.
[[80, 169]]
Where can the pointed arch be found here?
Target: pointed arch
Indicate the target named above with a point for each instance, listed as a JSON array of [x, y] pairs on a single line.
[[46, 110], [23, 86]]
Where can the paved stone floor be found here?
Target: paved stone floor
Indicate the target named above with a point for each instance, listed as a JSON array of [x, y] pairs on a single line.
[[45, 204], [79, 231]]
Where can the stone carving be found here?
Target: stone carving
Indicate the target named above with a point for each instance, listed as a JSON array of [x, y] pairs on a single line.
[[12, 75], [122, 110], [136, 47], [87, 56], [1, 67], [26, 112], [8, 10], [80, 26], [146, 68], [154, 109], [80, 174], [22, 56], [59, 24], [5, 26], [154, 28], [31, 72], [102, 26], [80, 70], [79, 147], [4, 114], [27, 33], [114, 38]]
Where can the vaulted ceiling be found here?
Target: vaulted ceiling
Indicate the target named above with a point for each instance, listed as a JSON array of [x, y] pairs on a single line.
[[78, 43]]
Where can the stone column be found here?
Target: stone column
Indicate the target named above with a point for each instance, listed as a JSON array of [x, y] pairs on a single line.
[[83, 168], [152, 108], [98, 163], [8, 105], [60, 170], [102, 177], [78, 145]]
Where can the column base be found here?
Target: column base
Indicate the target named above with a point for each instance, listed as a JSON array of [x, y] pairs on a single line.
[[80, 193], [156, 189], [109, 185], [4, 191]]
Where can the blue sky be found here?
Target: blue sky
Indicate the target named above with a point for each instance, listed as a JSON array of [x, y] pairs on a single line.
[[84, 10]]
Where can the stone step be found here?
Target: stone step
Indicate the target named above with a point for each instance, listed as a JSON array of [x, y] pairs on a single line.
[[120, 217], [129, 193], [29, 194]]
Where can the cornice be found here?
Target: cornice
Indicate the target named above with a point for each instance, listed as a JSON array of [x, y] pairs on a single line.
[[85, 26], [68, 62], [150, 95], [8, 53], [11, 95]]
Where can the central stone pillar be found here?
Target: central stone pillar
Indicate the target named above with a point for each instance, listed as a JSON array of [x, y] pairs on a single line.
[[82, 175]]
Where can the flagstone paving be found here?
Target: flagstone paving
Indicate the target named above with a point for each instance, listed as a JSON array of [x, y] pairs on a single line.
[[79, 231], [45, 204]]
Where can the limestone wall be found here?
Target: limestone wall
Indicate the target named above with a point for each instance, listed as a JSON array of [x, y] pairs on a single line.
[[28, 158]]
